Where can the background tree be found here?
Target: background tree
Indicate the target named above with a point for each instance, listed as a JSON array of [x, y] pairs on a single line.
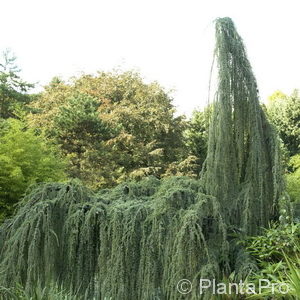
[[293, 178], [196, 135], [82, 135], [120, 126], [284, 113], [13, 90], [25, 159]]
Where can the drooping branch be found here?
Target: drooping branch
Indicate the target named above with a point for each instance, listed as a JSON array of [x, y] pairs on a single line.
[[243, 168]]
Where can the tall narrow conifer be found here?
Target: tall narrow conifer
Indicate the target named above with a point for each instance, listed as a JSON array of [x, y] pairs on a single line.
[[138, 240]]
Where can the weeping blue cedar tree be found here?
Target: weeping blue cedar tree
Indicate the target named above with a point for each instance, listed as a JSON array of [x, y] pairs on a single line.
[[138, 240], [243, 165]]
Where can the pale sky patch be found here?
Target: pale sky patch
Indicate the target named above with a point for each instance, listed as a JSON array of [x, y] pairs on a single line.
[[170, 41]]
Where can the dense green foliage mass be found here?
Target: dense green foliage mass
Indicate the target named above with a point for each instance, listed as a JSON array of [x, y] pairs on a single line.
[[269, 246], [293, 179], [112, 127], [25, 159], [284, 113], [196, 135], [277, 253], [82, 136], [137, 240]]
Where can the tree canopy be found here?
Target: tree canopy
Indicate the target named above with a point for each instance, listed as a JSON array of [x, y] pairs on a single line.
[[13, 89], [112, 127], [196, 135], [284, 113]]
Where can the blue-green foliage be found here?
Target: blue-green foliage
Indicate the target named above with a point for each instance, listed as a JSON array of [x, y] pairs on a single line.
[[132, 242], [138, 240]]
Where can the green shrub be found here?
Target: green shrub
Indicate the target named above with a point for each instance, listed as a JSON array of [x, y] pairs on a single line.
[[293, 178], [278, 255], [269, 247], [25, 159]]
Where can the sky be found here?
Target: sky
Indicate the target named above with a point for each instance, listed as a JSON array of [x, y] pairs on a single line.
[[169, 41]]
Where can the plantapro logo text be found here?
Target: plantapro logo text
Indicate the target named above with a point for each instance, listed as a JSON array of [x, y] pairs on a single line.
[[184, 286]]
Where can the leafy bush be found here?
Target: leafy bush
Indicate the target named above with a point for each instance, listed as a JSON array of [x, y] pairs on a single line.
[[278, 255], [284, 113], [269, 246], [284, 276], [25, 159], [293, 178], [196, 135]]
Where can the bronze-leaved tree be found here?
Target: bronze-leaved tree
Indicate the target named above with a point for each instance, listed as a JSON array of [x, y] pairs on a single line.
[[112, 127]]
